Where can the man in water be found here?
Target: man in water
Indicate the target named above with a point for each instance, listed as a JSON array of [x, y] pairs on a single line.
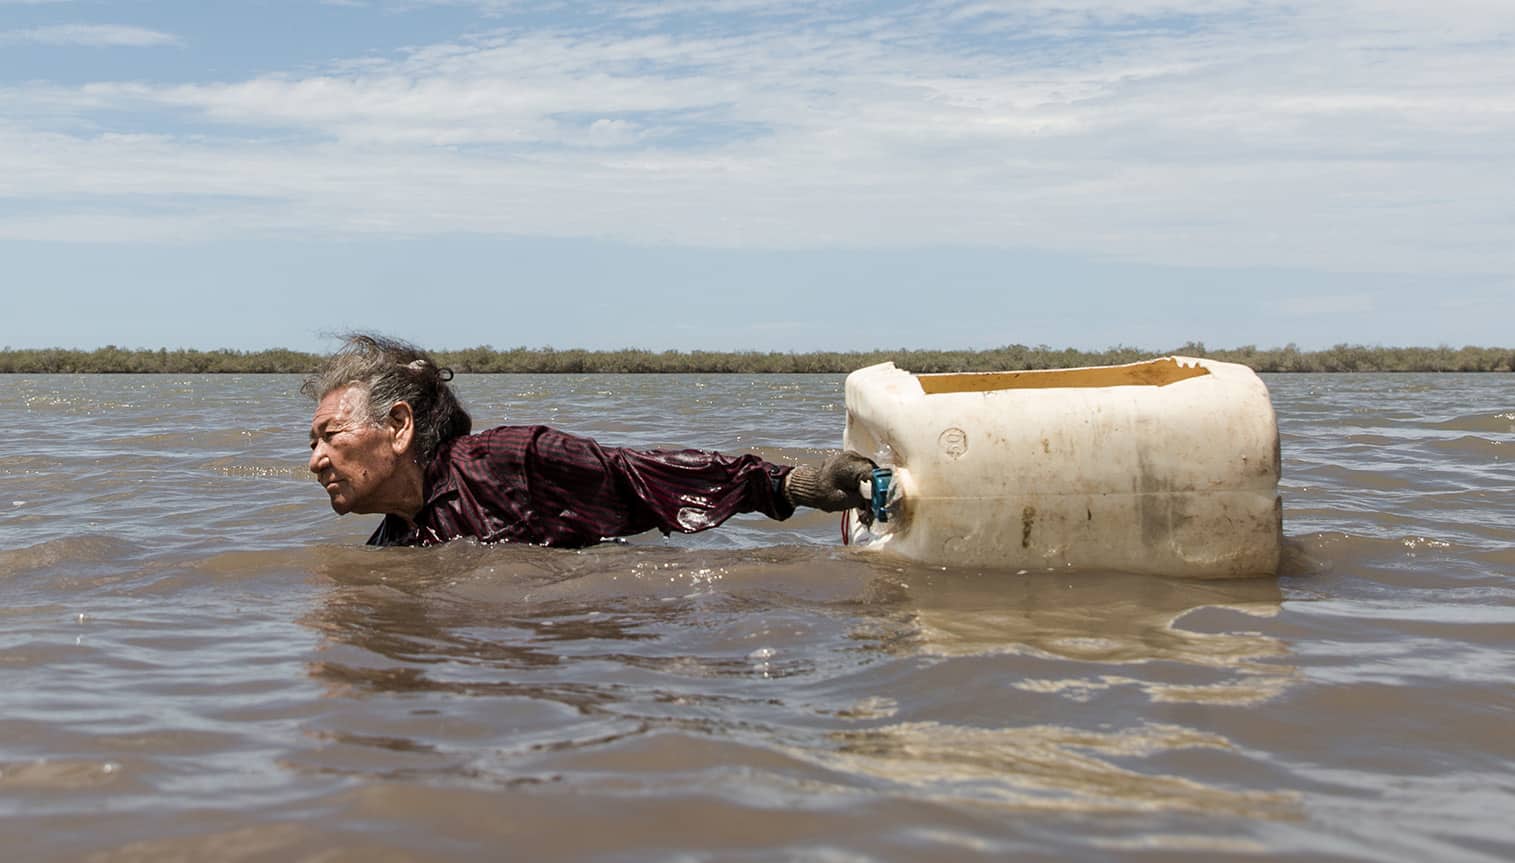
[[389, 436]]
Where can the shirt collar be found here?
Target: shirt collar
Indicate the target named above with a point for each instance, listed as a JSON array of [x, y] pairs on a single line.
[[438, 480]]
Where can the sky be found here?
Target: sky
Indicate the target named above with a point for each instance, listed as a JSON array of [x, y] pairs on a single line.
[[749, 175]]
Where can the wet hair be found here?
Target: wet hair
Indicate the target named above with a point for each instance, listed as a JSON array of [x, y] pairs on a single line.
[[392, 371]]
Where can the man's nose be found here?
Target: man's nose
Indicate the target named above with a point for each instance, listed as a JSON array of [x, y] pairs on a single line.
[[317, 458]]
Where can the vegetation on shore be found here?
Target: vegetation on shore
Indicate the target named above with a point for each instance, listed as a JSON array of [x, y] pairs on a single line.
[[1341, 358]]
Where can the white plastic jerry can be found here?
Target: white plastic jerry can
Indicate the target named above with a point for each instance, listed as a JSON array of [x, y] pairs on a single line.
[[1168, 466]]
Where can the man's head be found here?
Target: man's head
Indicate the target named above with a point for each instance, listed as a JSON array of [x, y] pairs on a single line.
[[382, 406]]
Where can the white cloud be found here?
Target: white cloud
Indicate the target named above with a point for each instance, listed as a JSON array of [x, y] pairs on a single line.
[[91, 35], [1348, 135]]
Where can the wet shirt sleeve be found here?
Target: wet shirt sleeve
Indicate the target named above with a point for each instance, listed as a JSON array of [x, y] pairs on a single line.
[[564, 490]]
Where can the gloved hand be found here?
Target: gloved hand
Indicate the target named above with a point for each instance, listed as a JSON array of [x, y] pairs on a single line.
[[833, 486]]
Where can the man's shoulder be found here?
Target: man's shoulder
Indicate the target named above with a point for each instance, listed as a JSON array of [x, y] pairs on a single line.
[[480, 444]]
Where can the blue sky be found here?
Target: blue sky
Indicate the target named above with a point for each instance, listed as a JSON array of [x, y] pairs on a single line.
[[735, 174]]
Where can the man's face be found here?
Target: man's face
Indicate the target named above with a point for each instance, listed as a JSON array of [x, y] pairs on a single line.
[[350, 456]]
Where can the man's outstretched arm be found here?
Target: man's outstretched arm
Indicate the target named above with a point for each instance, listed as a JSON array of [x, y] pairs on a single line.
[[581, 492]]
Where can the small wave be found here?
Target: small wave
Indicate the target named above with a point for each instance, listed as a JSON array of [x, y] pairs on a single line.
[[1403, 563], [68, 550], [59, 775], [205, 439], [29, 463], [1340, 476], [1470, 446], [238, 565], [1360, 421], [1319, 552], [1458, 616], [259, 469], [1365, 439], [1501, 423], [84, 404], [1045, 767], [1499, 558], [1339, 544]]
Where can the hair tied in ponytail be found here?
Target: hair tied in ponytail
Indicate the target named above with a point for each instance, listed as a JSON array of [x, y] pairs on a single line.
[[443, 372]]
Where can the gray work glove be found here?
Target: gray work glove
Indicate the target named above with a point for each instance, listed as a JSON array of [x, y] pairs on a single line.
[[833, 486]]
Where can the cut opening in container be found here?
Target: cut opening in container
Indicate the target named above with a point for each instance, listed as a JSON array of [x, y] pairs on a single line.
[[1152, 373]]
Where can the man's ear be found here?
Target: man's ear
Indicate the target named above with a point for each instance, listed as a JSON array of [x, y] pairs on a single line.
[[402, 427]]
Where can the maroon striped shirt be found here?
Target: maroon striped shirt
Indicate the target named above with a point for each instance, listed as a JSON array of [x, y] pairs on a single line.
[[539, 485]]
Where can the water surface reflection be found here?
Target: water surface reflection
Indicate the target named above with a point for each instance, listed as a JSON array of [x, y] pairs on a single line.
[[791, 665]]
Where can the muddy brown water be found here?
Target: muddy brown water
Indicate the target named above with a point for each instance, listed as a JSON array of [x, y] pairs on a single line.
[[201, 662]]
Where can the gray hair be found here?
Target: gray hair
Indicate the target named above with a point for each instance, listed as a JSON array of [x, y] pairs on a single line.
[[391, 371]]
